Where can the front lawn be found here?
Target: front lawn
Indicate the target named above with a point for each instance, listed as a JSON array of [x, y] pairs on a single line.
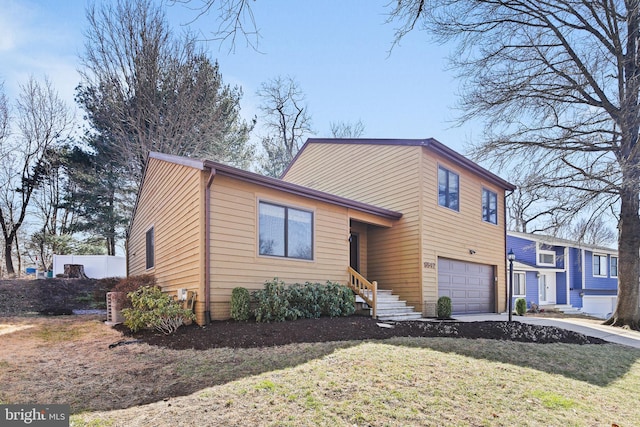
[[398, 381]]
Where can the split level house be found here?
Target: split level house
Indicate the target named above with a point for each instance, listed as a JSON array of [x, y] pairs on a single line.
[[564, 274], [409, 217]]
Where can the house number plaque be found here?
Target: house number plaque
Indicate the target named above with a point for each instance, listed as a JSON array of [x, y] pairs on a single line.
[[429, 265]]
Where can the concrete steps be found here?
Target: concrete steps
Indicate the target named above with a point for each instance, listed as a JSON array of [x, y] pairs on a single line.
[[391, 307]]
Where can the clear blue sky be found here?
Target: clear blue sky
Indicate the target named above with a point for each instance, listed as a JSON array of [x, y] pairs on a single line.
[[338, 51]]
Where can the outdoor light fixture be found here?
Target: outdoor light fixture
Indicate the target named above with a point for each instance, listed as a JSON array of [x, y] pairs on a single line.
[[511, 257]]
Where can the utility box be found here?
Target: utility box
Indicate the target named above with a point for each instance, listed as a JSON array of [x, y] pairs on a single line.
[[114, 311]]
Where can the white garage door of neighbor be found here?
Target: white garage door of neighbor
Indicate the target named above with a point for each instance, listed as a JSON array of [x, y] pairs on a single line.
[[469, 285]]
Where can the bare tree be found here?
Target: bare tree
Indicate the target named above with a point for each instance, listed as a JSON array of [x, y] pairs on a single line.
[[560, 79], [235, 18], [145, 89], [42, 120], [4, 116], [286, 120], [537, 207], [347, 130], [592, 230]]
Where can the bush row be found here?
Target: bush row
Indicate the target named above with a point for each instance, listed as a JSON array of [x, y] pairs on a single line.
[[277, 302]]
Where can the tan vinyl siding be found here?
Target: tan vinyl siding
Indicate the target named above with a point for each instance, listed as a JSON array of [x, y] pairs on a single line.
[[171, 202], [453, 234], [234, 242], [385, 176]]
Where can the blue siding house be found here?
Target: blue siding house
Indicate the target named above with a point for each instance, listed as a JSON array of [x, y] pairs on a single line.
[[563, 274]]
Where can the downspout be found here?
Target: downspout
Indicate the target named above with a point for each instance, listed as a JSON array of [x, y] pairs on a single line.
[[207, 247]]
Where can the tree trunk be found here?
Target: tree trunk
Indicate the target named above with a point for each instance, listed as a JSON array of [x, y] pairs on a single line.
[[8, 244], [75, 271], [627, 312]]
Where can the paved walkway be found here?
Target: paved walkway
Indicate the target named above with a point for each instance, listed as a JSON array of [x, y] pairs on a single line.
[[589, 327]]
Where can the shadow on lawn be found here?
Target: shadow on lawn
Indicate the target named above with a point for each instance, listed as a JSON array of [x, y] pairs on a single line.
[[599, 365]]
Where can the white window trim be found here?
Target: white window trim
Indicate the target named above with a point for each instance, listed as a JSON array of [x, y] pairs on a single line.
[[524, 281], [611, 257], [593, 255], [545, 252]]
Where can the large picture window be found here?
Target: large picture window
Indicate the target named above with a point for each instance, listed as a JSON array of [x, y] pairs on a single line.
[[150, 248], [448, 189], [285, 232], [489, 206]]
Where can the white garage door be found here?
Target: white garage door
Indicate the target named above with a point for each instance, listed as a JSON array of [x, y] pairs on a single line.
[[469, 285]]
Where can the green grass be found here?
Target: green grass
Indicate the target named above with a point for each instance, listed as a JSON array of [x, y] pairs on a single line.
[[414, 381]]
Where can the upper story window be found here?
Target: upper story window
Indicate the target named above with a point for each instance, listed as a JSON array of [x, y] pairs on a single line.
[[448, 189], [614, 266], [150, 248], [599, 265], [546, 258], [489, 206], [285, 232]]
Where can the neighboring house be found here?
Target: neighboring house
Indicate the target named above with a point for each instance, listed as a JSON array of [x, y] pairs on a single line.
[[563, 273], [413, 215]]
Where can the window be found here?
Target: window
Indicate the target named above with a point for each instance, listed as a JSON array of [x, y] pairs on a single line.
[[489, 206], [599, 265], [519, 285], [150, 248], [547, 258], [614, 266], [448, 189], [285, 232]]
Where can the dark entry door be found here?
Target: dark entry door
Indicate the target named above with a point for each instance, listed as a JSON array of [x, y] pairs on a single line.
[[354, 252]]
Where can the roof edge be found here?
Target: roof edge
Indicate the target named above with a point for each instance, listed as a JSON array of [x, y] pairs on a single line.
[[179, 160], [278, 184], [557, 241], [430, 143]]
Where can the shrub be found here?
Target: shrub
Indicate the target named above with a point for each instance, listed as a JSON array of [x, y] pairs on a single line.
[[277, 302], [131, 284], [272, 302], [444, 308], [151, 308], [240, 304], [521, 306], [338, 300]]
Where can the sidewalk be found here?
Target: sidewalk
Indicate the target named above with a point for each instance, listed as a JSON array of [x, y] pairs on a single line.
[[589, 327]]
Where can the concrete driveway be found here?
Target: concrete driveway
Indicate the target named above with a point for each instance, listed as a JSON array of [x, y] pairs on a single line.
[[589, 327]]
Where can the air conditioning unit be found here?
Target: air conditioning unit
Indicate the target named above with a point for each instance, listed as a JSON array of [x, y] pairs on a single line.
[[114, 313]]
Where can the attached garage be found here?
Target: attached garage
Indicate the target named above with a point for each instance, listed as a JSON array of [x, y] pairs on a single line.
[[470, 286]]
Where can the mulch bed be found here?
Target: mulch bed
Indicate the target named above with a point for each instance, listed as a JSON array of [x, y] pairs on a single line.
[[250, 334]]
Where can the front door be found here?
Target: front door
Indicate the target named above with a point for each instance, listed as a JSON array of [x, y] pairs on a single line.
[[547, 288], [354, 252]]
